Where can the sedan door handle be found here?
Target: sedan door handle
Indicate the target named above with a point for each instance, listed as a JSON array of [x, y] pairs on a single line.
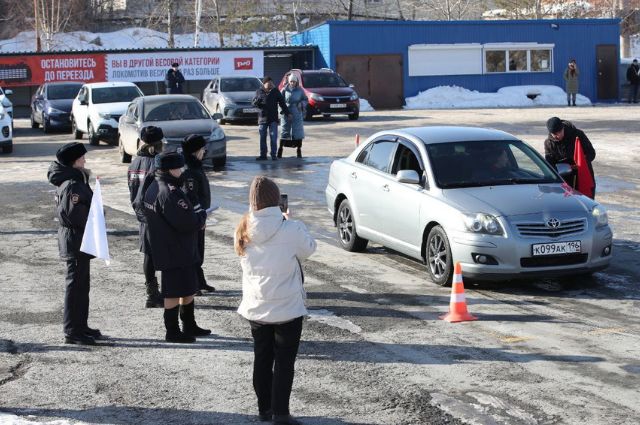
[[385, 187], [354, 175]]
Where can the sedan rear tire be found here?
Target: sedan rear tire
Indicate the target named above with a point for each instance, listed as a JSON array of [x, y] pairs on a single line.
[[347, 232], [125, 158], [439, 261], [77, 134]]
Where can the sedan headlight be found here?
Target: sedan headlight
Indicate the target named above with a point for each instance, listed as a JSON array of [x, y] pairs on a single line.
[[601, 216], [6, 103], [55, 111], [227, 100], [104, 115], [483, 223], [316, 96], [216, 134], [354, 96]]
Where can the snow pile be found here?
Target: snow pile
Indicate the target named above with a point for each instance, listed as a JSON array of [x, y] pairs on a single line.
[[365, 106], [9, 419], [444, 97], [138, 38]]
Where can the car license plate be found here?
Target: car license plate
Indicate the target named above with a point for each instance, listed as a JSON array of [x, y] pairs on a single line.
[[338, 105], [251, 110], [555, 248]]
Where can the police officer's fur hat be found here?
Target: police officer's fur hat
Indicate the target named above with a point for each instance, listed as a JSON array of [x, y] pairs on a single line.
[[68, 153], [169, 161], [193, 143], [554, 124], [151, 135]]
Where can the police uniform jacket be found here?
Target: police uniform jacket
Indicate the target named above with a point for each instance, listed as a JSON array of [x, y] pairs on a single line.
[[142, 165], [174, 81], [173, 223], [562, 151], [73, 201], [196, 183]]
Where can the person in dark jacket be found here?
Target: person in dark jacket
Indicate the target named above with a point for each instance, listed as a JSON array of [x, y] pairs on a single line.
[[174, 80], [560, 145], [196, 186], [141, 167], [173, 232], [633, 77], [73, 201], [267, 100]]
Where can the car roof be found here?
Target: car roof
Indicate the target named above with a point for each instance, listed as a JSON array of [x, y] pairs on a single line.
[[227, 77], [161, 97], [111, 84], [447, 134], [63, 83]]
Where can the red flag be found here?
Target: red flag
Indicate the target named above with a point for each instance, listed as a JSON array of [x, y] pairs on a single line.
[[585, 183]]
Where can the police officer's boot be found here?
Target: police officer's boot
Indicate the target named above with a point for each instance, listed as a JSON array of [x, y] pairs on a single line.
[[279, 155], [154, 299], [299, 152], [173, 329], [189, 325]]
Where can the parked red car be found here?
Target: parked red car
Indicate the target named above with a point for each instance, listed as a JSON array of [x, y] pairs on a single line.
[[327, 93]]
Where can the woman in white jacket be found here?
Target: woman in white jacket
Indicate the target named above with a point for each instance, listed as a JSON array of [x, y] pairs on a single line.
[[270, 247]]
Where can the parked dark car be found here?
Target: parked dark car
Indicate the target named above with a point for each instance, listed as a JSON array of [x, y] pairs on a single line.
[[51, 105], [327, 93]]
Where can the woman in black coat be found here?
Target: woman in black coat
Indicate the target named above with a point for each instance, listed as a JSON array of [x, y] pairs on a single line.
[[73, 201], [173, 232]]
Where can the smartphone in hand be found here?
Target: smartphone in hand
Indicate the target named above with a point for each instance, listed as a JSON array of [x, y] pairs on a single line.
[[284, 202]]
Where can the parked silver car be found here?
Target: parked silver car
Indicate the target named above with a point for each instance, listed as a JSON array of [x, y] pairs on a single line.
[[177, 116], [231, 97], [476, 196]]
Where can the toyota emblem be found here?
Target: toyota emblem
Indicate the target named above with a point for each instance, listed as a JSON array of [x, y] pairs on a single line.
[[553, 223]]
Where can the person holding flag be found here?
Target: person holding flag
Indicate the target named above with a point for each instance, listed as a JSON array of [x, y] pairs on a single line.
[[73, 201], [570, 145]]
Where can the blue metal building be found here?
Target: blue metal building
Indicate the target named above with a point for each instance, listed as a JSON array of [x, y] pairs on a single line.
[[413, 56]]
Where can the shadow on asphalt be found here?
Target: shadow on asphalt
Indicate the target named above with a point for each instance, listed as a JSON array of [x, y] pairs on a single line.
[[121, 415]]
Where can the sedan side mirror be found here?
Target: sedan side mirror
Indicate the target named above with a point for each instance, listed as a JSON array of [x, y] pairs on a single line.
[[39, 97], [217, 116], [564, 170], [352, 86], [408, 176], [129, 120], [83, 101], [8, 92]]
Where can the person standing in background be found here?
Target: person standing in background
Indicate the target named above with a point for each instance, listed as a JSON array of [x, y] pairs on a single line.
[[196, 186], [293, 129], [267, 100], [174, 80], [273, 298], [143, 165], [73, 201], [633, 77], [571, 77]]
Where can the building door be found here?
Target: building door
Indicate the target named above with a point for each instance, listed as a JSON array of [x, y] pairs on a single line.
[[377, 78], [607, 68]]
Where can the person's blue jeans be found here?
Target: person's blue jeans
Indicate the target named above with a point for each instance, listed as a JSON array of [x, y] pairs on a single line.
[[272, 127]]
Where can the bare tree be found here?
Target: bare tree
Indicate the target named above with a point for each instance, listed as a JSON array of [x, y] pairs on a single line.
[[52, 18]]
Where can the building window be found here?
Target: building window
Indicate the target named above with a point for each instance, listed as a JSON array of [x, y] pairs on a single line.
[[540, 60], [518, 58], [496, 61]]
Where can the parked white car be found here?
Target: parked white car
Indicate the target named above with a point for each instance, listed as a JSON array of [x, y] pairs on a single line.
[[97, 109], [6, 131], [6, 103]]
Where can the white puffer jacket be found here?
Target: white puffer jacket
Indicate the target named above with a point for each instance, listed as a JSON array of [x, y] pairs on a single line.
[[272, 289]]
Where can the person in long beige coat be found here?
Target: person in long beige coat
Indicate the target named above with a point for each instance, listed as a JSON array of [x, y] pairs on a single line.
[[571, 75]]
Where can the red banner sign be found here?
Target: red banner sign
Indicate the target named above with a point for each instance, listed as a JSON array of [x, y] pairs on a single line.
[[39, 69], [243, 63]]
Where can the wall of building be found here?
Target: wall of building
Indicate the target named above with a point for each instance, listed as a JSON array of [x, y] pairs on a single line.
[[572, 39]]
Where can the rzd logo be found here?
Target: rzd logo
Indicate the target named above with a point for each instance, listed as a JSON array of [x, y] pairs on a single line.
[[243, 63]]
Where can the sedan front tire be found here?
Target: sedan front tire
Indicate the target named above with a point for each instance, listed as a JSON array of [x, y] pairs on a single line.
[[439, 261], [347, 232]]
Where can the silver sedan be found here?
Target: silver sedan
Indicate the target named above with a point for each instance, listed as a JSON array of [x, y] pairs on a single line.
[[476, 196]]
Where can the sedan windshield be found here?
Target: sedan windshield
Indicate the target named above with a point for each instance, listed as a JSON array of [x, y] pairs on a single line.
[[115, 94], [175, 110], [488, 163], [63, 91], [323, 79], [239, 84]]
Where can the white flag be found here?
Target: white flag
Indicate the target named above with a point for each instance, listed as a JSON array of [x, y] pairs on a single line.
[[94, 240]]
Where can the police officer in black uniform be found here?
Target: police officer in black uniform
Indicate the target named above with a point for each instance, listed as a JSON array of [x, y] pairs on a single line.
[[143, 165], [174, 80], [73, 201], [196, 186], [173, 232]]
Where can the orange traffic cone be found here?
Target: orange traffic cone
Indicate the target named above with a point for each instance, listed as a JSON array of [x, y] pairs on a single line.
[[458, 304], [357, 140]]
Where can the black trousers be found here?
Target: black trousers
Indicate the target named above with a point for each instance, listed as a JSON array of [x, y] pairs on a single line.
[[201, 279], [275, 349], [76, 296], [149, 268]]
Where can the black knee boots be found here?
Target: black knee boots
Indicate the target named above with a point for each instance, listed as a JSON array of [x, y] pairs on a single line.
[[173, 329], [154, 299], [299, 152], [189, 325]]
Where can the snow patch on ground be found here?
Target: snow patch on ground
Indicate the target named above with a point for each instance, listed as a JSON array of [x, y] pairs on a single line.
[[444, 97], [8, 419], [365, 106], [610, 185], [138, 38], [330, 319]]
